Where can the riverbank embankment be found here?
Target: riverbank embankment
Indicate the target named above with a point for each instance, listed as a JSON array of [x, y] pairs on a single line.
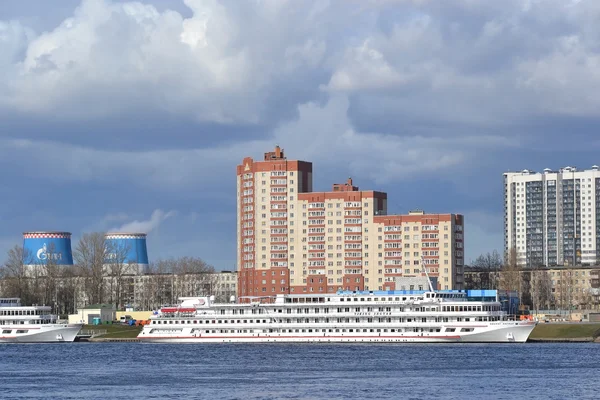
[[566, 332], [575, 332]]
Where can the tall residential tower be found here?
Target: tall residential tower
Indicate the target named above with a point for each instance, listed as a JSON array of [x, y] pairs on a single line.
[[552, 218], [294, 240]]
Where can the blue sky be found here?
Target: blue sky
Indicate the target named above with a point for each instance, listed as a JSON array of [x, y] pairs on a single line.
[[120, 115]]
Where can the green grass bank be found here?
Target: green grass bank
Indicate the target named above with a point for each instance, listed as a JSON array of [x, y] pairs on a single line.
[[114, 331], [566, 331]]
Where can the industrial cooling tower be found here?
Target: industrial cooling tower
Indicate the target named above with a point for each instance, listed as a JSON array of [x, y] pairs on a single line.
[[44, 248], [128, 249]]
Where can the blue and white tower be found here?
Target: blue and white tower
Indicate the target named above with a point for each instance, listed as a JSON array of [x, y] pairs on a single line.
[[128, 249], [44, 248]]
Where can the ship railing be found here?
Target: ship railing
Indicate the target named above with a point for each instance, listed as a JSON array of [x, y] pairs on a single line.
[[350, 314], [190, 314]]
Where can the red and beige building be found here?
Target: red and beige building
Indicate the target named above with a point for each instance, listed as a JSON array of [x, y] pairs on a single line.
[[293, 240]]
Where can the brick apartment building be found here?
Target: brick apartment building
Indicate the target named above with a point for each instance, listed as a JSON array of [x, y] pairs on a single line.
[[293, 240]]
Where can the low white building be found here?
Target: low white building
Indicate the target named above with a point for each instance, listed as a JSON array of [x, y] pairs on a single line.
[[106, 312]]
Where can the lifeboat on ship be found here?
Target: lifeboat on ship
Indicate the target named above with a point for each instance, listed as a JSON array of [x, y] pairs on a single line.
[[171, 310]]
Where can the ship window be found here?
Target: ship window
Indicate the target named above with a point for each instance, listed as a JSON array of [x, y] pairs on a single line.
[[450, 329], [6, 331]]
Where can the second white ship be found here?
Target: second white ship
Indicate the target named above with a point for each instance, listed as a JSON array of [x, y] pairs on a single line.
[[32, 324]]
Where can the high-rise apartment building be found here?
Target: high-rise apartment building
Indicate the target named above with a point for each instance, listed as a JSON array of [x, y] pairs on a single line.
[[294, 240], [553, 217]]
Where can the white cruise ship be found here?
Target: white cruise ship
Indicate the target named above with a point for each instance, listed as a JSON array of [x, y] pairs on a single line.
[[32, 324], [381, 316]]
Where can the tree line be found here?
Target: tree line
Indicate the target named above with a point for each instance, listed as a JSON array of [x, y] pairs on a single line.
[[101, 274], [534, 284]]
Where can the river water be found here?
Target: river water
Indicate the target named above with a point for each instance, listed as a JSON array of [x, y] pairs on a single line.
[[299, 371]]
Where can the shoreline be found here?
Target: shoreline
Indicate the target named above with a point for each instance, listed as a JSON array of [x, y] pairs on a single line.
[[542, 333], [564, 340]]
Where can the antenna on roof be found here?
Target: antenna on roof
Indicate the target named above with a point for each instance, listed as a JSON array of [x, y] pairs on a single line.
[[426, 274]]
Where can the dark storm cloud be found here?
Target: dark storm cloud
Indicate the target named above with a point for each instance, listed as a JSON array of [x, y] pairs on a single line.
[[143, 110]]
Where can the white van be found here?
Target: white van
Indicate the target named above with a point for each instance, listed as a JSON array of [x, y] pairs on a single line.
[[125, 319]]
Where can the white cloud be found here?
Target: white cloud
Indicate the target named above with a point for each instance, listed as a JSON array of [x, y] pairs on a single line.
[[110, 218], [158, 217], [219, 65], [324, 133], [385, 90], [321, 133], [234, 62]]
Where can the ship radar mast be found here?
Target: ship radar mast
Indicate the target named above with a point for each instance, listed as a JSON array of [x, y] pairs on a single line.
[[426, 274]]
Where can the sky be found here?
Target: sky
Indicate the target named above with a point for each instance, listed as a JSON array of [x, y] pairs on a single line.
[[132, 116]]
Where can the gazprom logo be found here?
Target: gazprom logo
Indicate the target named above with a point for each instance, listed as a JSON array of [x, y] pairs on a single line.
[[109, 255], [43, 254]]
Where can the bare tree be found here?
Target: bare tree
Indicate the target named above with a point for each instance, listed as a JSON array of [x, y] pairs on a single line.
[[51, 274], [563, 290], [488, 261], [167, 280], [36, 281], [14, 274], [587, 300], [90, 254], [68, 290], [488, 265], [541, 288], [510, 276], [193, 277], [116, 267], [157, 286]]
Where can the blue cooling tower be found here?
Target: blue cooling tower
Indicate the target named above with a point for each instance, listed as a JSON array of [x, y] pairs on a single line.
[[131, 246], [39, 248]]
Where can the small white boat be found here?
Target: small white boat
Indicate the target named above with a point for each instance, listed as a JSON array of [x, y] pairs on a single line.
[[32, 324]]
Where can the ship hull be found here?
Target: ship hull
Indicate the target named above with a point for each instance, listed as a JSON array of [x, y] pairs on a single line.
[[55, 333], [503, 332]]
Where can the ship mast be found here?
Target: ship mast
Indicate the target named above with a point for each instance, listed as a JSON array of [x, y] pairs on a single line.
[[426, 274]]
